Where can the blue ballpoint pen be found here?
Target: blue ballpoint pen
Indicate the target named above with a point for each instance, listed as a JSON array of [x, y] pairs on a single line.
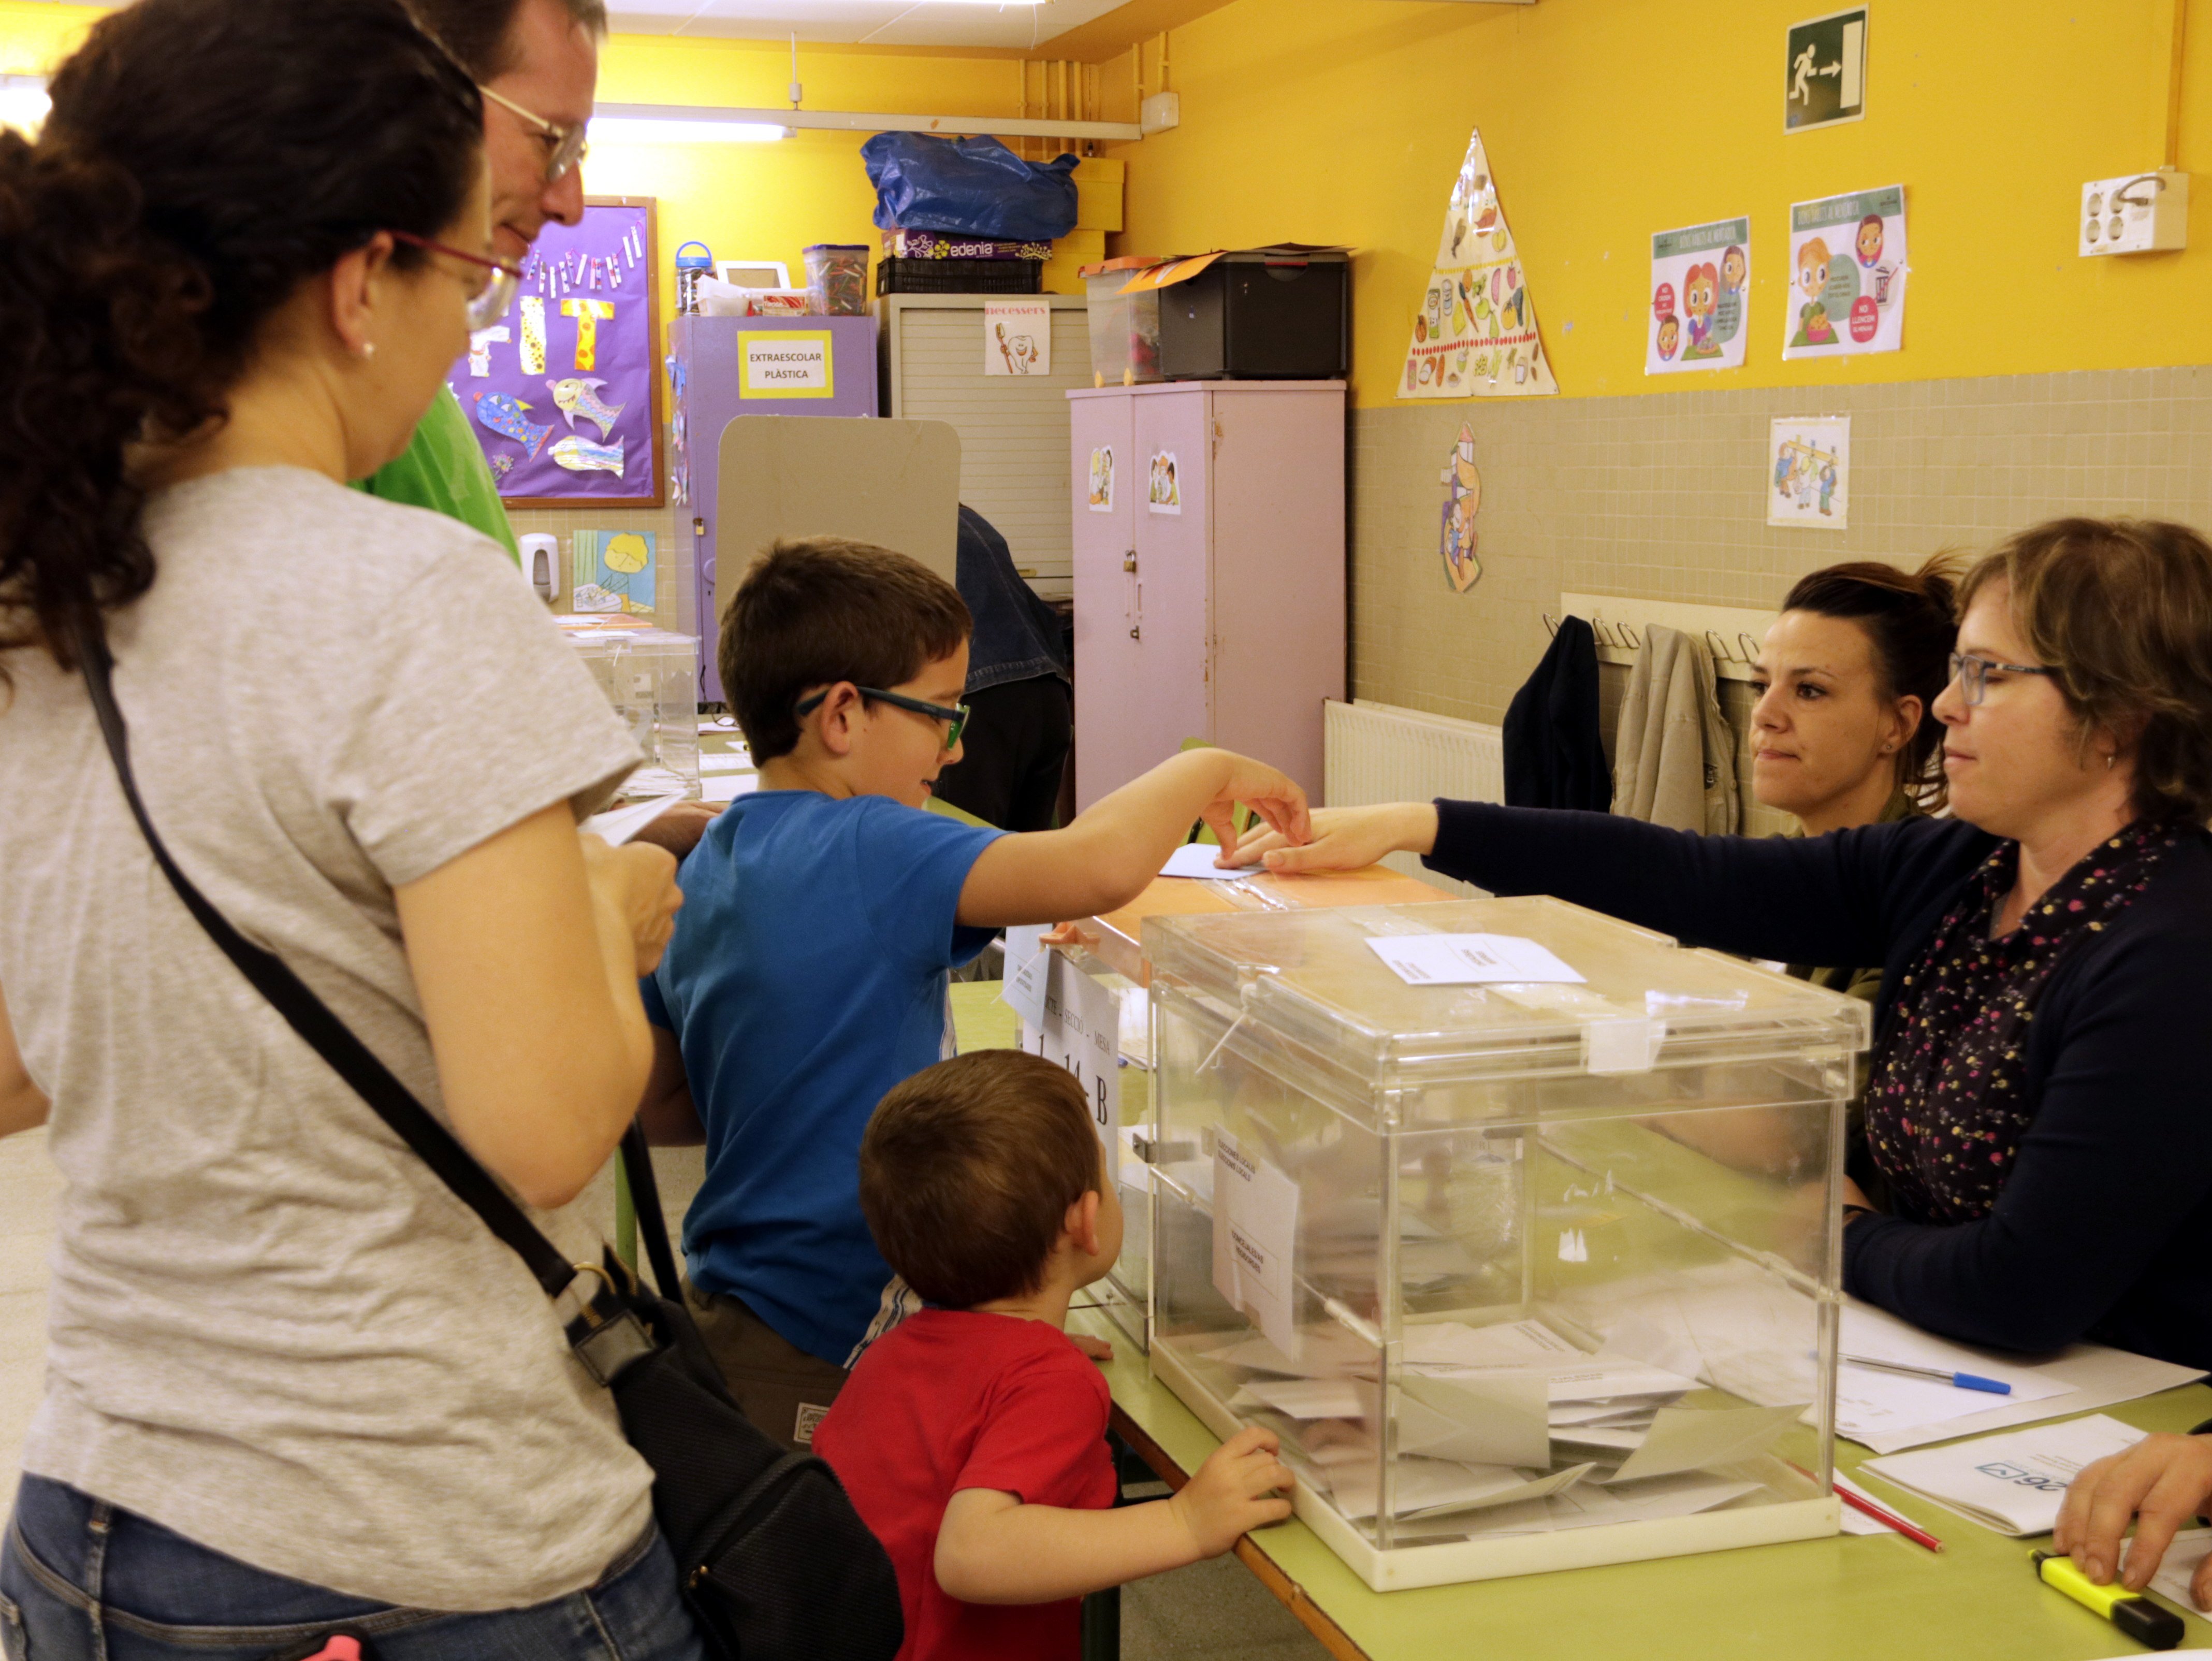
[[1962, 1380]]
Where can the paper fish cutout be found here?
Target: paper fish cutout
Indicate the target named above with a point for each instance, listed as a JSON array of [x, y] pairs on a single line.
[[581, 455], [503, 412], [575, 397]]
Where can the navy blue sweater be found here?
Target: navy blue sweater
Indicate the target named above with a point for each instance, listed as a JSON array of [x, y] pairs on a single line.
[[2104, 1229]]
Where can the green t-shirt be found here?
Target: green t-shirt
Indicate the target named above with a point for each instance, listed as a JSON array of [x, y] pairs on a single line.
[[444, 469]]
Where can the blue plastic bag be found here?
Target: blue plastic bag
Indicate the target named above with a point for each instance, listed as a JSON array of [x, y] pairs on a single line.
[[973, 187]]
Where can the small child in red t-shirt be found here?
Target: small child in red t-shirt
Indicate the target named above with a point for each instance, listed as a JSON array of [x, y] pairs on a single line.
[[972, 1437]]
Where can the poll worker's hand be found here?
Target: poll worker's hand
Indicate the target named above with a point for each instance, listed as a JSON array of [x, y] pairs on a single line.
[[1274, 796], [2162, 1482], [679, 828], [1234, 1492], [638, 881], [1341, 839]]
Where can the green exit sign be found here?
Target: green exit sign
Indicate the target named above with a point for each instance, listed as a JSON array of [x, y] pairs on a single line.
[[1824, 74]]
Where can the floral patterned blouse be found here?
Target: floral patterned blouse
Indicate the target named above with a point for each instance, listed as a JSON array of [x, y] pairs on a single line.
[[1946, 1106]]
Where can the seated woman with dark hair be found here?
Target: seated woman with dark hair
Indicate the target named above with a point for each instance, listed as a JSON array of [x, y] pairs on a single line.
[[2037, 1088]]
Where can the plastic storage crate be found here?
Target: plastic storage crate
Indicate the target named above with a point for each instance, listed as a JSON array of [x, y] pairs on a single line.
[[1526, 1275], [959, 277], [1125, 328], [1259, 315]]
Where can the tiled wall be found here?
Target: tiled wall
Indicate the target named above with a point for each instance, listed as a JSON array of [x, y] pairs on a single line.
[[1663, 496]]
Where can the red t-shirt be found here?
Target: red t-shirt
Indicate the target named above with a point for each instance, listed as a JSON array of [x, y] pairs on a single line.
[[952, 1399]]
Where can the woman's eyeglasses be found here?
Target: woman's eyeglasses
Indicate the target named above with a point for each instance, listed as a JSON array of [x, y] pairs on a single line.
[[1973, 674], [490, 301], [565, 146], [956, 715]]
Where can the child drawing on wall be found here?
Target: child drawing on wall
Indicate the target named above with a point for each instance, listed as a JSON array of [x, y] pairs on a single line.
[[1813, 328]]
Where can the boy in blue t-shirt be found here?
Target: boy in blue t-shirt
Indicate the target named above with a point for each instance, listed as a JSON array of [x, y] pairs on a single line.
[[807, 973]]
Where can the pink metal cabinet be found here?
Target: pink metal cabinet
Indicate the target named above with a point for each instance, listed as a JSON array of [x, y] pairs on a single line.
[[1225, 622]]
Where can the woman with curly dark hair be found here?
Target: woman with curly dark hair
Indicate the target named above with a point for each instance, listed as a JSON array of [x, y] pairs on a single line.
[[2036, 1093], [294, 1386]]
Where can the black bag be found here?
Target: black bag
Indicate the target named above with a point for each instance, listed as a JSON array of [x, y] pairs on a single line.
[[775, 1564]]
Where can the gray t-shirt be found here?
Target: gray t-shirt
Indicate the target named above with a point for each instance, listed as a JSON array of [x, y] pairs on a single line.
[[272, 1328]]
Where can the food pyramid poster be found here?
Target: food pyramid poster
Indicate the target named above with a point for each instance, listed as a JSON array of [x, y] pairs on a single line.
[[1475, 336]]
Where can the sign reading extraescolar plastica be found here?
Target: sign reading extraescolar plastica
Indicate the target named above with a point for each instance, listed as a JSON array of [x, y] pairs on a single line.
[[781, 364]]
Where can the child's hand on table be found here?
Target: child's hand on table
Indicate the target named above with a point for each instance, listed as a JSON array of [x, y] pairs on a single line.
[[1234, 1492], [1340, 839], [2161, 1483]]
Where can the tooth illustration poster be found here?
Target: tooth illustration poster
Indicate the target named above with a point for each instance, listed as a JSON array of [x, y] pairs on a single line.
[[1700, 288], [563, 392], [1846, 276], [1476, 335]]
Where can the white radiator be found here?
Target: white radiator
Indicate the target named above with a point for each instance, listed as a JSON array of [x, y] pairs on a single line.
[[1375, 753]]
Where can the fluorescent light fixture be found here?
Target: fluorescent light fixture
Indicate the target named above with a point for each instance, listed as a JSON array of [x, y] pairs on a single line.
[[23, 101], [683, 130], [664, 123]]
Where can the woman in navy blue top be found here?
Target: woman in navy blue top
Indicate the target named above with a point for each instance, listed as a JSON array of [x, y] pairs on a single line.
[[2040, 1100]]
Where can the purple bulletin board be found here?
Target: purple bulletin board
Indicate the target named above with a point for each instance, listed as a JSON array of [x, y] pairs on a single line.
[[564, 392]]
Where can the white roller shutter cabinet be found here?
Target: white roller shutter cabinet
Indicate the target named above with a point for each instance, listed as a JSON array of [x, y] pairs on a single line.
[[1014, 428]]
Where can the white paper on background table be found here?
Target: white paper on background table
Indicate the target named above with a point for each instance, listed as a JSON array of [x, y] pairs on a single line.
[[1700, 298], [1808, 471], [1846, 274], [728, 787], [1016, 337], [620, 825], [1195, 859], [2013, 1482], [1858, 1522], [1022, 980], [2178, 1566], [1468, 959], [1476, 335], [1255, 1228], [1869, 1401], [1081, 1031]]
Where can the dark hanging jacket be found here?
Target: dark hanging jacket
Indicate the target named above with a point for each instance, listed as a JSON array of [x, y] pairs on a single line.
[[1553, 756]]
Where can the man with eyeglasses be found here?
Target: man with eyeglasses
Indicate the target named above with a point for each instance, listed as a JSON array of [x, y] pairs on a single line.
[[537, 61]]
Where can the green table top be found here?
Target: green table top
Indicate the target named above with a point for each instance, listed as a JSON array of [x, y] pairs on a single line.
[[1862, 1598]]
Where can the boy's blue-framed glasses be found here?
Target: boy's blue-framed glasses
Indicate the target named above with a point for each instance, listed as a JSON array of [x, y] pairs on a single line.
[[1973, 674], [957, 715]]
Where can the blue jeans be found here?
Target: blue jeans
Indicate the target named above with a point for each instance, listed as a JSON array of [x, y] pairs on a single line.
[[81, 1580]]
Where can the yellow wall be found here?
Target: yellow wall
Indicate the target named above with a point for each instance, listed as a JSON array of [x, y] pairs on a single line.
[[35, 38], [1606, 121]]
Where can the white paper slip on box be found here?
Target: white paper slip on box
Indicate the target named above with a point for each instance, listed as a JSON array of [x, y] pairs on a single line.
[[2015, 1482], [1471, 960]]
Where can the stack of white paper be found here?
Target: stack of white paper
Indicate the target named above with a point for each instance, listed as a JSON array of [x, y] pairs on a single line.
[[2013, 1483]]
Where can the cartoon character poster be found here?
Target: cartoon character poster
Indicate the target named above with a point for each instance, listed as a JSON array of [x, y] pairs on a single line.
[[1476, 335], [1847, 270], [1164, 490], [1016, 337], [1700, 291], [1462, 499], [563, 392], [1099, 497], [1809, 475]]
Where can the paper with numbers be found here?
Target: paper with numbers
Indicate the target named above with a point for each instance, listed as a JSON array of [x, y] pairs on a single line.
[[1255, 1228], [1469, 959], [2013, 1483]]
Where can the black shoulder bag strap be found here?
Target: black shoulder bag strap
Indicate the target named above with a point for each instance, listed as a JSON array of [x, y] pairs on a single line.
[[311, 1018]]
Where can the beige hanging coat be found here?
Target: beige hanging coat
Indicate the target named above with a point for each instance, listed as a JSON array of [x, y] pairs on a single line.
[[1675, 757]]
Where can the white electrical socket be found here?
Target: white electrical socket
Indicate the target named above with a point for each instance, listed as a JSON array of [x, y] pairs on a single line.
[[2136, 213]]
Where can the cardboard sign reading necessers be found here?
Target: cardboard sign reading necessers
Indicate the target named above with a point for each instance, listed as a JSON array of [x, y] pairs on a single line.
[[786, 365]]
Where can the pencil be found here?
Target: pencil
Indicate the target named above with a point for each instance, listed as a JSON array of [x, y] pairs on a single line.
[[1889, 1520]]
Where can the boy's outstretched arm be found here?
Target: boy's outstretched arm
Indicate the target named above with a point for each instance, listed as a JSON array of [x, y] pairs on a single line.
[[991, 1548], [1106, 857]]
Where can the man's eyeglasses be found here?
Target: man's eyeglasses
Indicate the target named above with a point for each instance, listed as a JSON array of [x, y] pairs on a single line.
[[565, 146], [490, 301], [957, 715], [1973, 674]]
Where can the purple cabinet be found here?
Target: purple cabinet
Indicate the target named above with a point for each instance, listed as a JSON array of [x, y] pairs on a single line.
[[727, 367], [1209, 558]]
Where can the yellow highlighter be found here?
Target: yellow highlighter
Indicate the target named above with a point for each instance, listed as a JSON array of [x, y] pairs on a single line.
[[2131, 1611]]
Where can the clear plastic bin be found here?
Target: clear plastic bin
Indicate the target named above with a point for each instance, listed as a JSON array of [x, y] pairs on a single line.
[[1125, 328], [837, 279], [651, 677], [1526, 1275]]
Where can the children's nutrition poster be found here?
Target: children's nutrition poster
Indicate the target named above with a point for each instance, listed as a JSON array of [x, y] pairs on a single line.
[[1847, 269], [1475, 336], [1163, 489], [1099, 496], [1700, 289], [1809, 484]]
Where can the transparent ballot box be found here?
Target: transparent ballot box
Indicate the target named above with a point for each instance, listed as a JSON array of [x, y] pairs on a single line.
[[1527, 1274], [651, 677]]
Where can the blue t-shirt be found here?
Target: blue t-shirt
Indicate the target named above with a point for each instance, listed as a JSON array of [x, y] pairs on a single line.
[[806, 977]]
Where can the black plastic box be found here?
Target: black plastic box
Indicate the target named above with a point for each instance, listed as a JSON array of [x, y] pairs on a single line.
[[959, 277], [1260, 314]]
